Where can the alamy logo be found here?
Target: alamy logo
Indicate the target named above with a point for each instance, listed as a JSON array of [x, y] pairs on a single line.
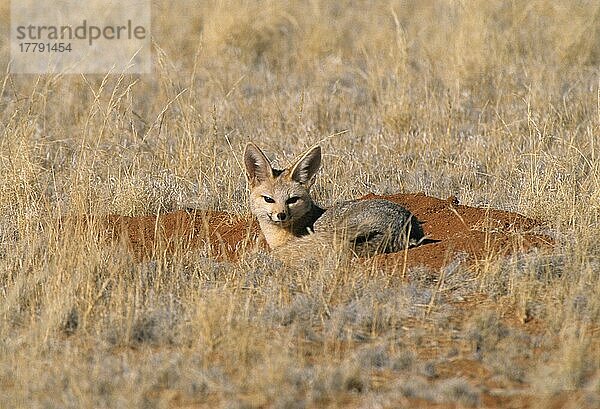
[[74, 36]]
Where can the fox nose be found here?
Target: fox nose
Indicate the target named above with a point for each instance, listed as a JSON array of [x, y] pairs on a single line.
[[281, 217]]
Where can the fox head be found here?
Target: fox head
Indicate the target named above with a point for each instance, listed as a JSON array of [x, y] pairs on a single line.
[[280, 197]]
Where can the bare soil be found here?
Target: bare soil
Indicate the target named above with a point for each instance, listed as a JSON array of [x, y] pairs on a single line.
[[458, 232], [454, 232]]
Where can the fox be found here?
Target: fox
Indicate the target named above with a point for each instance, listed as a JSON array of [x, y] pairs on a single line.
[[288, 216]]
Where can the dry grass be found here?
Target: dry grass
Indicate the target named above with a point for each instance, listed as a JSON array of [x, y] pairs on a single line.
[[495, 102]]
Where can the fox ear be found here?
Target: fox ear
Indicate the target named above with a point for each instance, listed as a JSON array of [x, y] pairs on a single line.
[[258, 167], [306, 166]]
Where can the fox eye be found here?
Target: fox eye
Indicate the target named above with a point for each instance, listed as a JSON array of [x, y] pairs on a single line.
[[292, 200], [268, 199]]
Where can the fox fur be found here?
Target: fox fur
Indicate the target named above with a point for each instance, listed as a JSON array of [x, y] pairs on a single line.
[[288, 216]]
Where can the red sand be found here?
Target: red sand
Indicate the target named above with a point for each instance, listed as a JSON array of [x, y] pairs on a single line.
[[471, 233]]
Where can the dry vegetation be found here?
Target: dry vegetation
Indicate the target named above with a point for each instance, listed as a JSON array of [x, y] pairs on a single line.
[[495, 102]]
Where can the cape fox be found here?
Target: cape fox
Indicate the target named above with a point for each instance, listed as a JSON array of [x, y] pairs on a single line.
[[281, 201]]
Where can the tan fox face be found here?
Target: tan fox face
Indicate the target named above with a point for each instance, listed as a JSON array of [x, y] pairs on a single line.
[[280, 197]]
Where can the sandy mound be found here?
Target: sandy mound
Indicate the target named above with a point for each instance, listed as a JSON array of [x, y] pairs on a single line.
[[454, 232], [220, 234], [463, 232]]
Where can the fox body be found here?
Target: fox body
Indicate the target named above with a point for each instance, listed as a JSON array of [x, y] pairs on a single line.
[[283, 205]]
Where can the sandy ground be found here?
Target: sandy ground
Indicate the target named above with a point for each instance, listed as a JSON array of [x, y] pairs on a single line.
[[455, 232]]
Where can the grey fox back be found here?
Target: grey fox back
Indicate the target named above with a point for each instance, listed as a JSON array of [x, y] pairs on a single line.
[[371, 226]]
